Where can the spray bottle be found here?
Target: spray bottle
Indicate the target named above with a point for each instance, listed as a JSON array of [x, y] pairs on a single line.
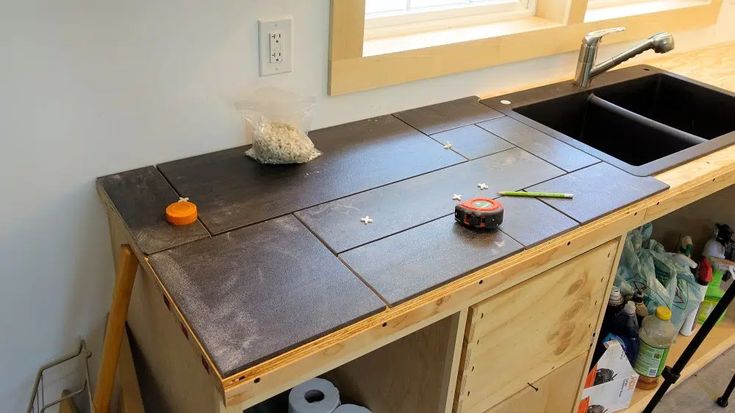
[[704, 277]]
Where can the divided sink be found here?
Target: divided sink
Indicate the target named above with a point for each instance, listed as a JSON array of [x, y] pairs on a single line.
[[641, 119]]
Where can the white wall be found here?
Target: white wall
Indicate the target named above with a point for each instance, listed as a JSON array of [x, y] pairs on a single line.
[[91, 87]]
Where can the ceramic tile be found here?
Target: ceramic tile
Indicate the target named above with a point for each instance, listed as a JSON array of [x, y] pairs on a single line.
[[141, 197], [472, 142], [598, 190], [232, 190], [544, 146], [448, 115], [402, 205], [530, 221], [407, 264], [259, 291]]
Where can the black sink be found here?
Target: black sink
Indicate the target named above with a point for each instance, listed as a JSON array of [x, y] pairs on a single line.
[[640, 119]]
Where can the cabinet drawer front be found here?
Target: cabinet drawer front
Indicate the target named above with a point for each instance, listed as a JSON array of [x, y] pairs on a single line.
[[524, 333], [554, 393]]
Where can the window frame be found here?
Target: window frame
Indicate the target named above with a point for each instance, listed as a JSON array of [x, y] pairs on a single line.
[[446, 13], [435, 20], [557, 27]]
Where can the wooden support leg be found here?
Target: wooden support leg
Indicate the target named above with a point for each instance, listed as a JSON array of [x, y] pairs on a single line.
[[126, 269], [131, 400]]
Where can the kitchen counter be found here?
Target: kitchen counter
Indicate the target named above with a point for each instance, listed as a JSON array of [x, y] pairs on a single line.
[[279, 268]]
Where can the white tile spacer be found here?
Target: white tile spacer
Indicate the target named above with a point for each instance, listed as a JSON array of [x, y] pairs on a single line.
[[448, 145], [483, 186], [366, 220], [456, 197], [183, 199]]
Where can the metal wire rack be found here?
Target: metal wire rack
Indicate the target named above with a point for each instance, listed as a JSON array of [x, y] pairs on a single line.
[[78, 360]]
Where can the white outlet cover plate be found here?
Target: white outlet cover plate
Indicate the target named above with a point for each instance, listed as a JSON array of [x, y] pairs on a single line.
[[265, 28]]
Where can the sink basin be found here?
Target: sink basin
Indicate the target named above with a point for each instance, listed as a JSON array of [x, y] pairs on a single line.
[[640, 119]]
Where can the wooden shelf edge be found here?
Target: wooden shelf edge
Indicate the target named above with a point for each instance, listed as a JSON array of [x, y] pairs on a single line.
[[720, 339]]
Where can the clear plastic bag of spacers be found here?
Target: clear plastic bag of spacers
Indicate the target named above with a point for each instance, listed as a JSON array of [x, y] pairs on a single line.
[[278, 121]]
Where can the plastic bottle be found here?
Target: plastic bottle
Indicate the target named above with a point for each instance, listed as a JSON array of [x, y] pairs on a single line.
[[625, 326], [686, 245], [712, 295], [614, 306], [641, 311], [656, 337], [718, 244], [704, 277]]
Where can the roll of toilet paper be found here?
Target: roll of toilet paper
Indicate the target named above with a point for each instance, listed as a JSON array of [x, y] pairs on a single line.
[[314, 396], [351, 408]]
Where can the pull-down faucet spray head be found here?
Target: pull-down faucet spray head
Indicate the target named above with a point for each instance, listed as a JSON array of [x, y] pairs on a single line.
[[662, 42]]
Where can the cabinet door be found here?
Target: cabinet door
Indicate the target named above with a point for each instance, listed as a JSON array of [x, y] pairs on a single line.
[[526, 332], [554, 393]]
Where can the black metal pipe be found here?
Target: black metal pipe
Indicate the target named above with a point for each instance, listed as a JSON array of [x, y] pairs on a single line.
[[724, 400], [672, 374]]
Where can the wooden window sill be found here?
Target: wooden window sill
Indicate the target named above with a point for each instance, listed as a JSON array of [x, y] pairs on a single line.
[[413, 41], [636, 9]]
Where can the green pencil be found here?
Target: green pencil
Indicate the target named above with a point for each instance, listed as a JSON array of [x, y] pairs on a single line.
[[537, 194]]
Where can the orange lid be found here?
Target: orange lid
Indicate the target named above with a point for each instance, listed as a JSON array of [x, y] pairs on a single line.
[[181, 212]]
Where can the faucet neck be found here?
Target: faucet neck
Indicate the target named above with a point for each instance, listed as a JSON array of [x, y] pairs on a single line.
[[585, 63]]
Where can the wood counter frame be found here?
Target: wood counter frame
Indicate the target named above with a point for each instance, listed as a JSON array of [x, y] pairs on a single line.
[[688, 182]]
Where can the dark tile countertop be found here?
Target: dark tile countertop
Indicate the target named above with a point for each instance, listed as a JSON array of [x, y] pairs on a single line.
[[279, 255]]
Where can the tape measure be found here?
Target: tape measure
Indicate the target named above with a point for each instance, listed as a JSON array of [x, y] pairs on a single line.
[[479, 213]]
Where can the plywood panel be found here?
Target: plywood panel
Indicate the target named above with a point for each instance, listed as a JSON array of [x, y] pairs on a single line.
[[526, 332], [409, 375], [554, 393], [696, 220]]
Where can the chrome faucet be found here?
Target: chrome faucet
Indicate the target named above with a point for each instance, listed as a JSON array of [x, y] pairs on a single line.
[[586, 67]]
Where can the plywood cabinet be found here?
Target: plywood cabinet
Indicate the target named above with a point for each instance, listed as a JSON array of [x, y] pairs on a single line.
[[527, 332], [556, 392]]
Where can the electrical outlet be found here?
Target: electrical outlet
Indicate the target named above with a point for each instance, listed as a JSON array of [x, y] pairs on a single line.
[[274, 37], [276, 47]]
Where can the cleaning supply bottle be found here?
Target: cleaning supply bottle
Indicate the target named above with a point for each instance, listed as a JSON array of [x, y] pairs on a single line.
[[720, 267], [614, 305], [625, 326], [718, 244], [704, 277], [641, 311], [686, 246], [656, 336]]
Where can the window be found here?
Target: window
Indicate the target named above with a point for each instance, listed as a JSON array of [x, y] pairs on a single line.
[[376, 43], [411, 16], [605, 9]]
